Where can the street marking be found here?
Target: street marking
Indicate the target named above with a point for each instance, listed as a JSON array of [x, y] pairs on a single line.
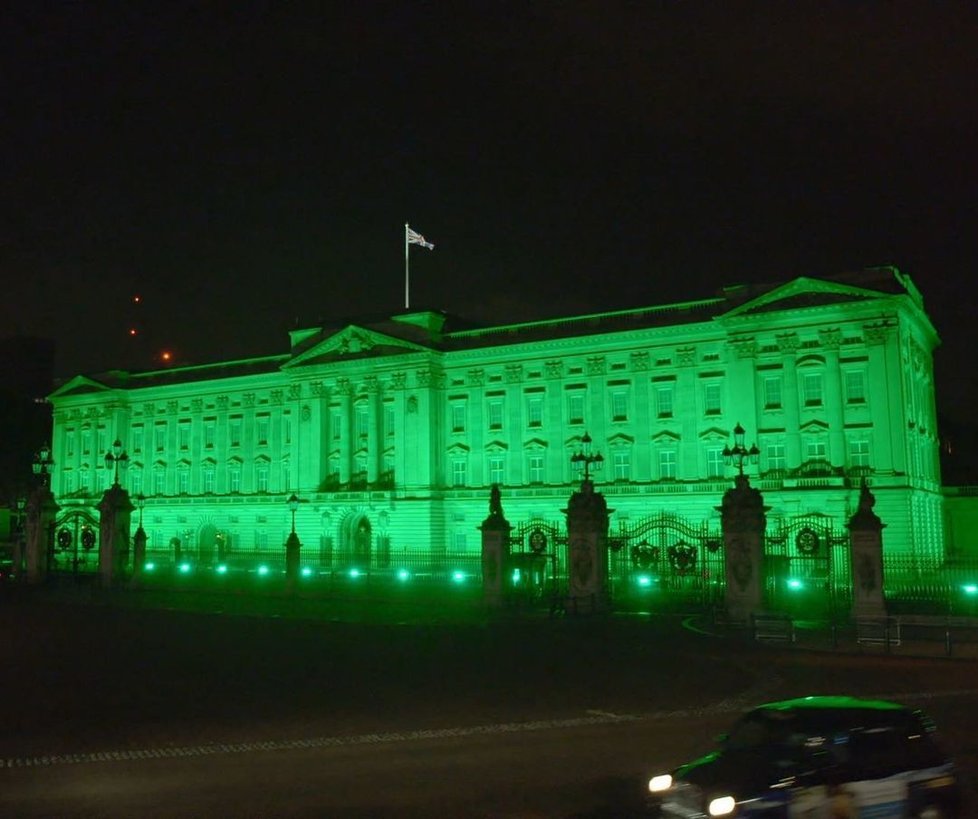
[[594, 717]]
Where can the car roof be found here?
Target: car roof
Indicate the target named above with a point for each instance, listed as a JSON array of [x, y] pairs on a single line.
[[831, 703]]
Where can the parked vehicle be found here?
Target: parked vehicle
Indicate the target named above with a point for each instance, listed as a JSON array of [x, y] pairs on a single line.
[[832, 757]]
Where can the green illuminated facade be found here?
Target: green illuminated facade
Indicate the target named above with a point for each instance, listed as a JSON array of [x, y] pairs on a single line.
[[391, 432]]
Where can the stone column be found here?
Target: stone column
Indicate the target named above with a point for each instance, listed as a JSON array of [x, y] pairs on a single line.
[[587, 550], [495, 551], [743, 520], [41, 512], [866, 558], [115, 509]]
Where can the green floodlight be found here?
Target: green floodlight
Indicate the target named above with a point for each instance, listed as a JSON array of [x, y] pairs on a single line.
[[263, 570], [184, 568], [354, 573], [222, 569], [970, 588], [795, 585], [306, 571], [403, 574], [458, 577], [644, 580], [149, 567], [516, 577]]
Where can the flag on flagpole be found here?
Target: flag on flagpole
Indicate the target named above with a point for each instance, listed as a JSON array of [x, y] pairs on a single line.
[[415, 238]]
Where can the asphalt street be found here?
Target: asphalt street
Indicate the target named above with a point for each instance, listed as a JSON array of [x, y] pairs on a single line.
[[120, 710]]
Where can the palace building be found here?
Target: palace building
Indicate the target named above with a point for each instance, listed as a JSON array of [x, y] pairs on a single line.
[[392, 431]]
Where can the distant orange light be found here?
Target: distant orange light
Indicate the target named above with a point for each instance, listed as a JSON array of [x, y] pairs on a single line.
[[132, 331], [137, 299], [165, 355]]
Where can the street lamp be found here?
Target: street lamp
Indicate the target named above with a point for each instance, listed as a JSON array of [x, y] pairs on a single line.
[[42, 464], [584, 461], [293, 502], [117, 458], [140, 503], [738, 453]]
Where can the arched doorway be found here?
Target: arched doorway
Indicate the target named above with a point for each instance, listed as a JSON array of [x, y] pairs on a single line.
[[359, 539]]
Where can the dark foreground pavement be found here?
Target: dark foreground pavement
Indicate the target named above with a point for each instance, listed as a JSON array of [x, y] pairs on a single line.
[[373, 707]]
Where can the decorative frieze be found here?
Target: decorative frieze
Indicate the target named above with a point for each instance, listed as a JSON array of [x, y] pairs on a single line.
[[398, 381], [686, 356], [744, 348], [249, 399], [640, 361], [831, 339], [514, 373], [788, 343], [877, 333], [476, 377], [596, 365], [276, 397], [222, 403]]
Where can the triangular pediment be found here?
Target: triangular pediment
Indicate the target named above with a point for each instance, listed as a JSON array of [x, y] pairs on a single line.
[[801, 293], [815, 426], [353, 342], [714, 434], [79, 385], [665, 437]]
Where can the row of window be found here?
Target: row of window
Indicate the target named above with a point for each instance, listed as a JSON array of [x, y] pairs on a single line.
[[159, 433], [664, 397], [80, 481]]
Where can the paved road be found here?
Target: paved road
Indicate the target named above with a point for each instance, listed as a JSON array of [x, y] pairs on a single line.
[[123, 712]]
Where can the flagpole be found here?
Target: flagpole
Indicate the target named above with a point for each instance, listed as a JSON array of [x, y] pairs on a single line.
[[406, 268]]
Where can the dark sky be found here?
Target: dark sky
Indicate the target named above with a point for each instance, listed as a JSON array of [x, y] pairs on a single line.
[[242, 165]]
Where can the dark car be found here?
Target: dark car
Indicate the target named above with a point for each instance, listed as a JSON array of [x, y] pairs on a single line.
[[817, 757]]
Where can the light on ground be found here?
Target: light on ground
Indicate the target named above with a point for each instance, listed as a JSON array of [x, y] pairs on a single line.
[[222, 569], [516, 577], [149, 567], [458, 577], [306, 571], [970, 588], [184, 568], [263, 570], [354, 573], [403, 574], [644, 580], [795, 584]]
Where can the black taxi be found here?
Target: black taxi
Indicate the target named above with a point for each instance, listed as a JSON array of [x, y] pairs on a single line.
[[825, 756]]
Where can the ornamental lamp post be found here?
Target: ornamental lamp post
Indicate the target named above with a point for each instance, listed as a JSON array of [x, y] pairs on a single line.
[[140, 503], [118, 459], [293, 503], [583, 461], [139, 541], [738, 454], [292, 546]]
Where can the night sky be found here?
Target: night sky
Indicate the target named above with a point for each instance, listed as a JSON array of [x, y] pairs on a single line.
[[244, 166]]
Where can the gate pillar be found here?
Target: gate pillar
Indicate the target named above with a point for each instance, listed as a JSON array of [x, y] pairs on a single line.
[[866, 558], [743, 520], [41, 511], [495, 550], [115, 510], [587, 549]]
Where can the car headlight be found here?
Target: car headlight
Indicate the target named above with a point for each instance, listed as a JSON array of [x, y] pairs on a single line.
[[660, 783], [722, 806]]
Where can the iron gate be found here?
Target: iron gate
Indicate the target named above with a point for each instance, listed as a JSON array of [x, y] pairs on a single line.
[[806, 565], [678, 557]]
